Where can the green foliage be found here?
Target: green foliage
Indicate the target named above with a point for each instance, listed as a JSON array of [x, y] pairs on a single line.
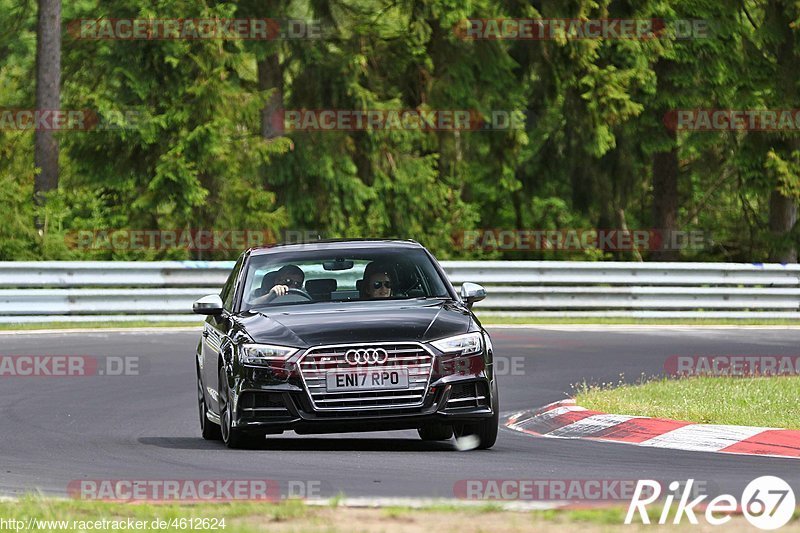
[[180, 146]]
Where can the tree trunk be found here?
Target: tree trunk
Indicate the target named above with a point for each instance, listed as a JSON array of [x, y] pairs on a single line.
[[665, 201], [665, 174], [270, 76], [783, 209], [782, 218], [48, 95]]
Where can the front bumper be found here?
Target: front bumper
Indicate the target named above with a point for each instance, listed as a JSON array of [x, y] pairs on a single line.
[[272, 409], [275, 399]]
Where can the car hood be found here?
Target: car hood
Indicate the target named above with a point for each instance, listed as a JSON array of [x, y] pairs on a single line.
[[318, 324]]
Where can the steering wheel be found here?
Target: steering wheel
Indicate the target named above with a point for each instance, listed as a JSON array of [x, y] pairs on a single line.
[[295, 292]]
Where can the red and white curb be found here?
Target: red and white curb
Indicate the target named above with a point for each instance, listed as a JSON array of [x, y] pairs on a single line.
[[566, 420]]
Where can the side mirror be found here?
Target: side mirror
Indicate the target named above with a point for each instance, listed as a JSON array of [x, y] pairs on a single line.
[[208, 305], [472, 292]]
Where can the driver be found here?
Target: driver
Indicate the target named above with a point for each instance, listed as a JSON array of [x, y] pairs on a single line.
[[287, 277]]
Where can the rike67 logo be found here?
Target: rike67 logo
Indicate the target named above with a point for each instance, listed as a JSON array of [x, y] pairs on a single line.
[[768, 503]]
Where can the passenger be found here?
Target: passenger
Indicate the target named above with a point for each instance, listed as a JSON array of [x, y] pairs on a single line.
[[378, 281]]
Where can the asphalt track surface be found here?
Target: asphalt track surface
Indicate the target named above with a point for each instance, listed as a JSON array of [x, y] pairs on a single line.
[[55, 430]]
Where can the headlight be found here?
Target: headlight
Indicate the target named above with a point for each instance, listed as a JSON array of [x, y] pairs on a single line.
[[264, 354], [460, 344]]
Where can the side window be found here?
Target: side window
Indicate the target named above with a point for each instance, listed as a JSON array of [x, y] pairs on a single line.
[[229, 290]]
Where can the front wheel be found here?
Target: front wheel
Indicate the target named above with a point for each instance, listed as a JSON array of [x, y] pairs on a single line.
[[231, 436], [208, 429], [485, 430]]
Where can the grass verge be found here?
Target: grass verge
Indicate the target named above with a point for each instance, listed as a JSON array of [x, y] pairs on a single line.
[[296, 516], [759, 401]]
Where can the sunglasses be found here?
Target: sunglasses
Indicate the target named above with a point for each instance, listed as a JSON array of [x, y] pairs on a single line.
[[377, 284], [291, 283]]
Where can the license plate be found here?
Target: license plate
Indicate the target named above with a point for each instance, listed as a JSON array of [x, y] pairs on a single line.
[[367, 380]]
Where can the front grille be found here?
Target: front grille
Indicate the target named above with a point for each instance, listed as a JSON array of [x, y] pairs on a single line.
[[468, 395], [317, 362]]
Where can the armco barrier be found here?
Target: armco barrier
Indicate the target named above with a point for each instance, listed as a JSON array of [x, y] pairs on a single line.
[[164, 291]]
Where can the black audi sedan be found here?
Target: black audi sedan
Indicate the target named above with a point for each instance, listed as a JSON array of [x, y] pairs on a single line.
[[344, 336]]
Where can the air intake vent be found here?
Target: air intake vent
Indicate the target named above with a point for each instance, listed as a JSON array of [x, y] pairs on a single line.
[[473, 394]]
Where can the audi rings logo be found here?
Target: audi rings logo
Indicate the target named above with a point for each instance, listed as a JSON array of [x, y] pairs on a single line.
[[366, 356]]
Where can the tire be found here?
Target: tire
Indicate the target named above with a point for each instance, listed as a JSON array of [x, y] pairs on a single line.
[[485, 430], [208, 429], [435, 432], [232, 437]]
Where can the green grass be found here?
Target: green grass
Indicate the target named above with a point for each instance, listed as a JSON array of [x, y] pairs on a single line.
[[760, 401], [253, 517], [294, 515], [235, 514], [448, 507], [614, 516]]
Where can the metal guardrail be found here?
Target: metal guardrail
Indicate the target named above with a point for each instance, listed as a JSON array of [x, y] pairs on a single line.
[[114, 274], [164, 291]]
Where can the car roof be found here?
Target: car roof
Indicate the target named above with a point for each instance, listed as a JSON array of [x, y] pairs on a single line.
[[335, 244]]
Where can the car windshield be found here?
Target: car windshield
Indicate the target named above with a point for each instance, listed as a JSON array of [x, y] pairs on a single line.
[[303, 277]]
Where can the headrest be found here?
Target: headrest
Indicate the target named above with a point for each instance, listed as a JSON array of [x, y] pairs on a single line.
[[321, 286], [360, 287]]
